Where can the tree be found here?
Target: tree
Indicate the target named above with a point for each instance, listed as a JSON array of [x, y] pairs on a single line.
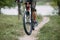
[[57, 2], [19, 7], [8, 3]]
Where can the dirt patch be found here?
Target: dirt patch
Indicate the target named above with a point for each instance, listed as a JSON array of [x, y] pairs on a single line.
[[36, 31]]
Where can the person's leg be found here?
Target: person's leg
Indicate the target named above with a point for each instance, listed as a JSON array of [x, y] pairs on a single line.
[[34, 18], [34, 15]]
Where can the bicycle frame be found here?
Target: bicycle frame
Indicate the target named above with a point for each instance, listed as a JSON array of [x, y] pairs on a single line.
[[28, 7]]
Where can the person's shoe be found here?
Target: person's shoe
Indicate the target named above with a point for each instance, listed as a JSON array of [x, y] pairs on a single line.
[[35, 23], [33, 28]]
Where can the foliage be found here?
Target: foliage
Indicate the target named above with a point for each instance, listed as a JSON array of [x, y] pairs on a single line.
[[7, 3], [55, 2]]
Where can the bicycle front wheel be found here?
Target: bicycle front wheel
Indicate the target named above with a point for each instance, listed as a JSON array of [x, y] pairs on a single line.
[[27, 24]]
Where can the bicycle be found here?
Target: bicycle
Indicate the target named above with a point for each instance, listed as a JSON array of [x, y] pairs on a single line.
[[28, 22]]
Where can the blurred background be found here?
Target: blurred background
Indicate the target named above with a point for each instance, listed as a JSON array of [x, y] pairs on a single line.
[[44, 7], [11, 28]]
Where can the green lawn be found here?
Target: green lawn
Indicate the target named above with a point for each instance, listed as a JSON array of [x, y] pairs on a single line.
[[39, 18], [51, 31], [10, 28]]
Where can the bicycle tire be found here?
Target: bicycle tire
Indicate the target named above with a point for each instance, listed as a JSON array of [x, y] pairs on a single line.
[[24, 25]]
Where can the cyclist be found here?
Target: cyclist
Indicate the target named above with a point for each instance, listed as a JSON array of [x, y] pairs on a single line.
[[28, 5]]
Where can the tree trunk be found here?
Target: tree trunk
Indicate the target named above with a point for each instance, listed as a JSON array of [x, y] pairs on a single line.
[[19, 9], [59, 11], [0, 10], [58, 3]]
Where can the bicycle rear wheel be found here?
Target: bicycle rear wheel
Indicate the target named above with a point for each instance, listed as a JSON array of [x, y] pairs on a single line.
[[27, 23]]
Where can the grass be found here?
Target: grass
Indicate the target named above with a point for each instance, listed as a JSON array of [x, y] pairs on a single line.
[[39, 18], [40, 3], [51, 31], [10, 28]]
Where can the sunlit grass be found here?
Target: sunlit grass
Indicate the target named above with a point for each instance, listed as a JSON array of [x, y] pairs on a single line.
[[10, 28], [51, 31]]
